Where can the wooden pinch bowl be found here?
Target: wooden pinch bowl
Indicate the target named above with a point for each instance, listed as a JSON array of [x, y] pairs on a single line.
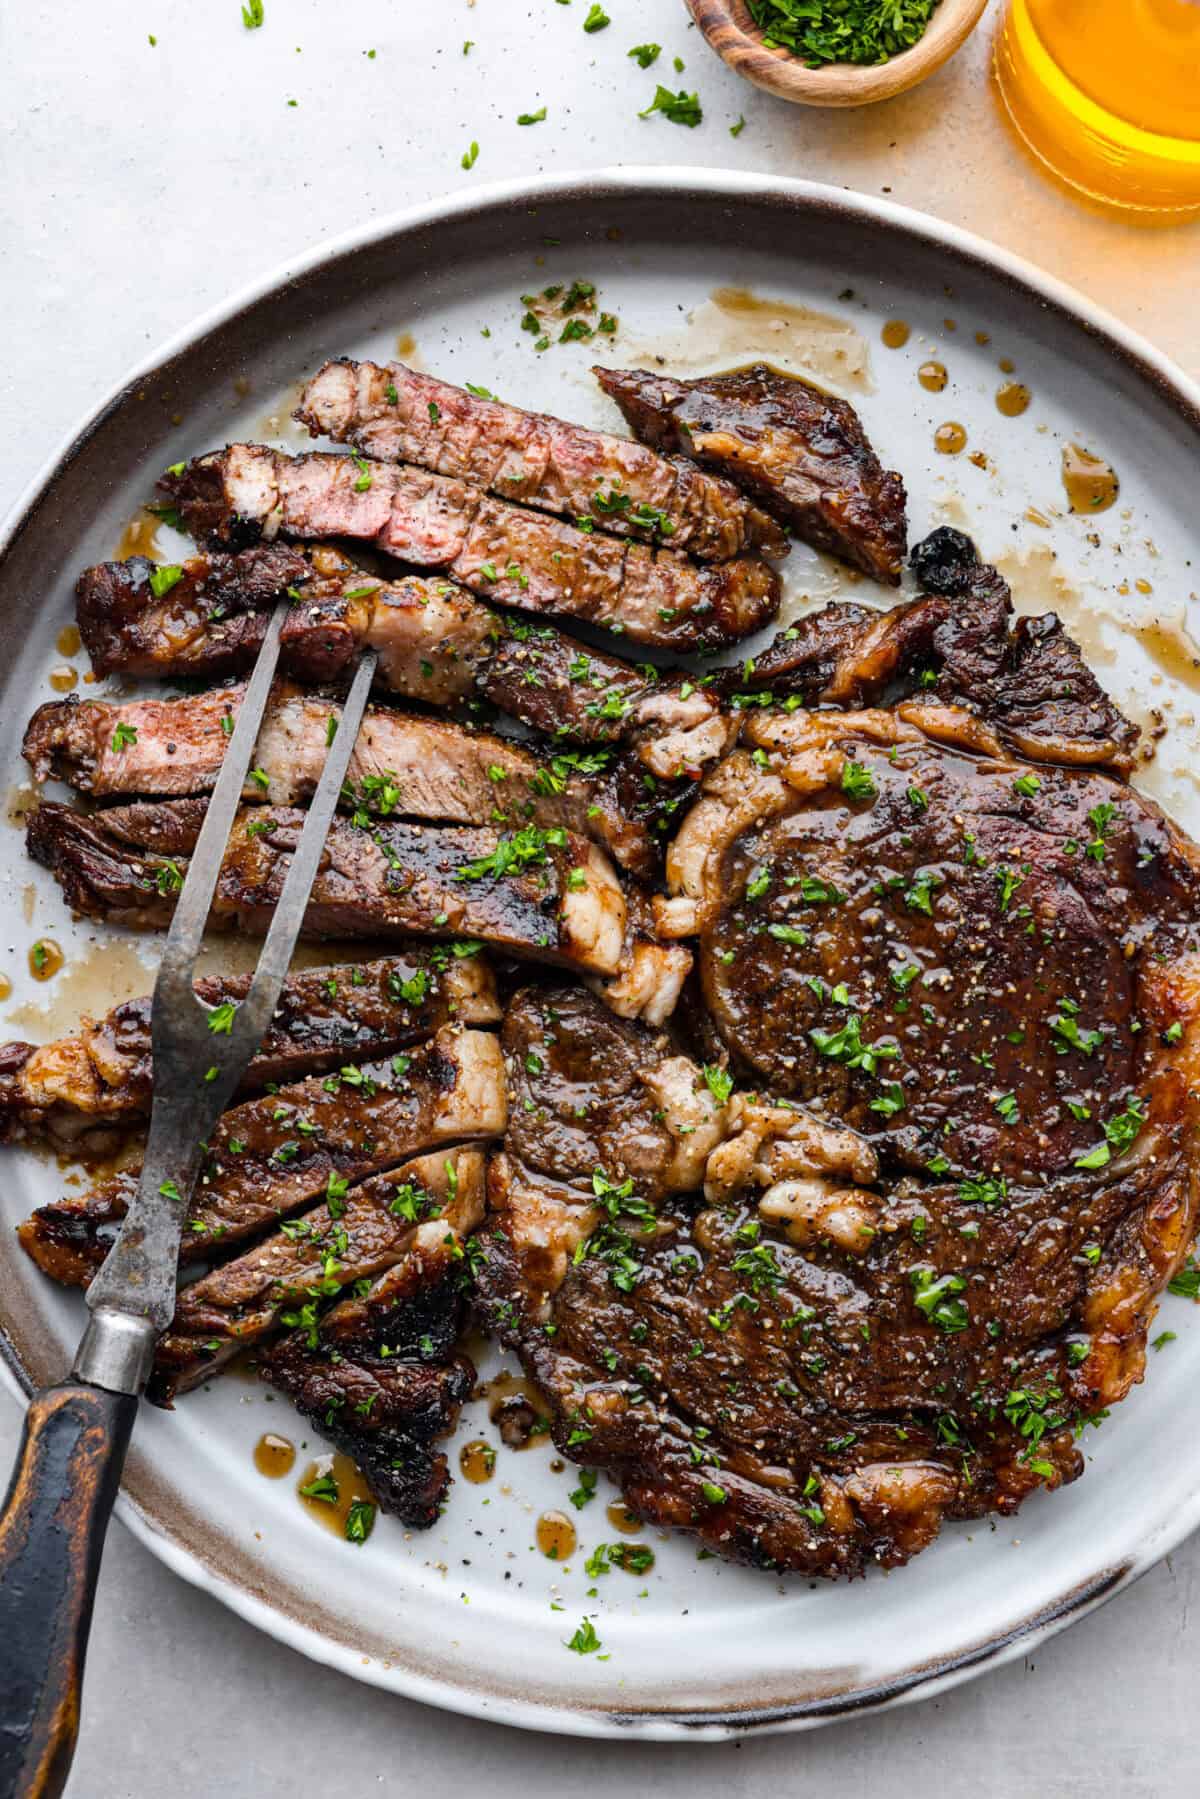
[[729, 30]]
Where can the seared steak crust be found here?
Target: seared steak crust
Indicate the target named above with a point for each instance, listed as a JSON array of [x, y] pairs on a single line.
[[268, 1157], [384, 879], [354, 1237], [210, 622], [240, 495], [380, 1379], [958, 647], [945, 950], [801, 452], [393, 414], [403, 766], [813, 1366], [85, 1086]]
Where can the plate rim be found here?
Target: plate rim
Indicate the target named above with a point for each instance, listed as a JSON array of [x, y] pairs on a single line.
[[595, 186]]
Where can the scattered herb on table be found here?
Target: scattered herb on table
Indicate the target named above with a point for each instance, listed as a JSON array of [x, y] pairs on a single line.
[[680, 108]]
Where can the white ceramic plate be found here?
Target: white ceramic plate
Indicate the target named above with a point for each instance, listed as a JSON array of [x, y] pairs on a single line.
[[469, 1615]]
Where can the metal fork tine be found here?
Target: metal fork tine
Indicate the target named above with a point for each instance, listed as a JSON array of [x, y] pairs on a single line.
[[256, 1010], [204, 867], [198, 1061]]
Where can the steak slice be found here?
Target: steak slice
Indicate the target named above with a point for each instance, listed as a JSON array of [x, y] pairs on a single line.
[[403, 766], [290, 1278], [379, 1379], [957, 649], [814, 1363], [550, 895], [393, 414], [801, 452], [244, 493], [436, 644], [80, 1090], [270, 1156], [948, 952], [210, 619]]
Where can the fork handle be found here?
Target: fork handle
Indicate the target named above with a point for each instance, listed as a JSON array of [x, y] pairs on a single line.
[[52, 1533]]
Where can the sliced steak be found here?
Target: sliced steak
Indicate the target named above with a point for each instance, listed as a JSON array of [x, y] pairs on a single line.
[[379, 1377], [813, 1365], [403, 766], [208, 615], [589, 1089], [436, 644], [240, 495], [550, 895], [290, 1278], [268, 1157], [393, 414], [82, 1088], [949, 952], [955, 650], [801, 452]]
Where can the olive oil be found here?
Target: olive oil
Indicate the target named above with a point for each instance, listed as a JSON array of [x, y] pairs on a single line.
[[1107, 94]]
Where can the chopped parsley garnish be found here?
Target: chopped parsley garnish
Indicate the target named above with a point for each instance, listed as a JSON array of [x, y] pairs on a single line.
[[1186, 1283], [514, 852], [252, 15], [1100, 818], [858, 31], [917, 896], [890, 1101], [1007, 881], [719, 1084], [681, 108], [1065, 1029], [858, 781], [1119, 1132], [413, 991], [645, 54], [163, 579], [124, 735], [470, 156], [360, 1521], [322, 1487], [934, 1298], [846, 1046], [585, 1641], [1026, 786], [983, 1190], [220, 1018], [816, 892], [586, 1490], [531, 118]]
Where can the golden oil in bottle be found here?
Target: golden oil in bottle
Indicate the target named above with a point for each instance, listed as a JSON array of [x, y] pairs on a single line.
[[1107, 94]]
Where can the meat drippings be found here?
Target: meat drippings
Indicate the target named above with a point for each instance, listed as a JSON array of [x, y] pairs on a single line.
[[274, 1456]]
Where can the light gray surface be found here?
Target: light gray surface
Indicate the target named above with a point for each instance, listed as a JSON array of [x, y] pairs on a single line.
[[139, 184]]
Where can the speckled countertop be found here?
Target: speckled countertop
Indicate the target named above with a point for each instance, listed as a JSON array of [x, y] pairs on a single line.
[[141, 181]]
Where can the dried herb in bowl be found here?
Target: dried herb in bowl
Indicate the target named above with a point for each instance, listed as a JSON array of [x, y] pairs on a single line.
[[856, 31]]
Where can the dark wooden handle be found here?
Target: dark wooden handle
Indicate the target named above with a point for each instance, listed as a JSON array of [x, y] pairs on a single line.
[[51, 1537]]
